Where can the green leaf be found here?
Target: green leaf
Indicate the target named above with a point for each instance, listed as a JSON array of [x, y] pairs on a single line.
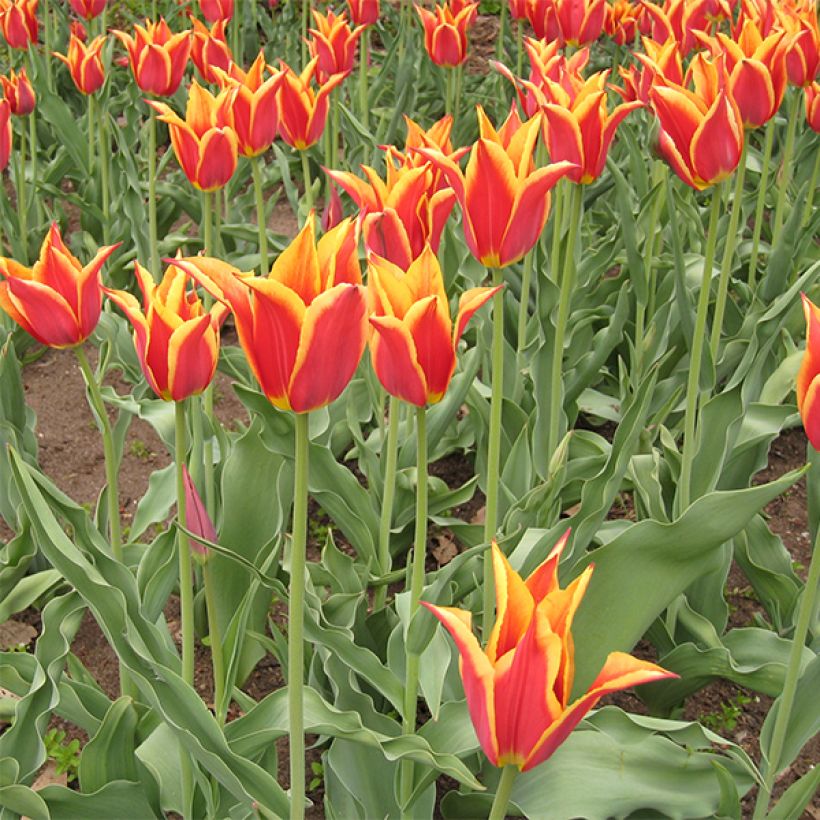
[[26, 591], [109, 755], [115, 799], [795, 799], [156, 504]]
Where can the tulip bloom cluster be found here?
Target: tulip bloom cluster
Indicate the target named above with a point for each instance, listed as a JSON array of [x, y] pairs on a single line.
[[445, 32], [158, 57]]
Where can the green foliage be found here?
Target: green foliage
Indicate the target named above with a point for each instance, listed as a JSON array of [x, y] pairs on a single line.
[[66, 756], [728, 714]]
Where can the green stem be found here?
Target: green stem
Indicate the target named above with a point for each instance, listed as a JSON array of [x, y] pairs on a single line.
[[523, 307], [92, 119], [22, 205], [215, 636], [519, 57], [459, 69], [152, 190], [786, 173], [32, 138], [296, 603], [104, 147], [728, 257], [261, 221], [335, 131], [236, 24], [411, 687], [364, 113], [207, 226], [812, 187], [557, 230], [761, 201], [47, 36], [493, 447], [449, 83], [696, 357], [565, 298], [109, 451], [502, 30], [786, 699], [503, 792], [391, 458], [304, 29], [307, 181], [186, 596]]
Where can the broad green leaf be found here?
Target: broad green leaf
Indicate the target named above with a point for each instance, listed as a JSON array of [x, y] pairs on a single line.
[[109, 755], [116, 799], [795, 799], [26, 591]]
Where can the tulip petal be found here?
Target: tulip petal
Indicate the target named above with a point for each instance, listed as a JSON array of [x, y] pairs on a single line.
[[471, 300], [544, 580], [46, 314], [192, 357], [514, 608], [428, 322], [385, 235], [297, 267], [718, 141], [393, 353], [217, 159]]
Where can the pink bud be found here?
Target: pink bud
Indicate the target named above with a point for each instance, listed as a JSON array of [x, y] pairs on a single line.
[[197, 520]]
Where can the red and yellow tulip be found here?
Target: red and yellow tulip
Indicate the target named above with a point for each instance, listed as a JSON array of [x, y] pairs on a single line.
[[18, 22], [445, 32], [18, 91], [333, 44], [808, 377], [812, 98], [621, 21], [660, 62], [803, 54], [413, 348], [580, 21], [303, 111], [251, 107], [158, 57], [216, 10], [204, 143], [177, 340], [303, 327], [5, 133], [88, 9], [85, 63], [210, 51], [504, 198], [518, 688], [58, 300], [363, 12]]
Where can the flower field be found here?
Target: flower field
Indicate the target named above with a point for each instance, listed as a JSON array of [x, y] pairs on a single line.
[[401, 421]]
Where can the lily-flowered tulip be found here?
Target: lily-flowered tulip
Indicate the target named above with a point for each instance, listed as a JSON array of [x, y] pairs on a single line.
[[18, 22], [5, 133], [621, 21], [158, 57], [333, 43], [18, 91], [85, 63], [812, 96], [544, 22], [204, 143], [363, 12], [177, 340], [518, 688], [504, 198], [808, 377], [803, 54], [216, 10], [210, 51], [303, 327], [58, 300], [701, 131], [413, 348], [303, 111], [445, 32], [88, 9], [581, 22], [251, 106], [659, 62]]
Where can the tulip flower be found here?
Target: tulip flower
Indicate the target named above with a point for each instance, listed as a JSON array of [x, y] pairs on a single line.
[[85, 63], [808, 377], [363, 12], [88, 9], [204, 143], [445, 32], [251, 107], [659, 62], [544, 22], [58, 300], [18, 22], [18, 91], [518, 688], [414, 345], [621, 21], [803, 53], [5, 133], [504, 199], [333, 44], [582, 22], [303, 327], [399, 216], [215, 11], [812, 99], [158, 57], [209, 50], [177, 340], [303, 111], [197, 519]]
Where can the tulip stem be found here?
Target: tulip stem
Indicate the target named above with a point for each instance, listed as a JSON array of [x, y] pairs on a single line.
[[261, 221], [503, 792], [308, 184], [296, 603], [152, 189], [519, 57], [364, 113], [411, 688], [557, 229], [786, 172], [696, 358], [388, 494], [47, 36], [449, 83], [104, 146], [786, 699], [22, 205], [215, 638], [92, 119], [812, 187], [305, 5], [761, 201], [567, 286], [493, 448], [523, 307], [728, 257]]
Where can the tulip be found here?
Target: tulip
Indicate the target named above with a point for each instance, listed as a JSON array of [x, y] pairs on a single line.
[[303, 111], [18, 22], [518, 688], [289, 323], [251, 107], [582, 22], [209, 50], [808, 377], [544, 22], [812, 99], [197, 519], [204, 143], [504, 199], [414, 345], [85, 63], [18, 91], [88, 9], [621, 21], [158, 57], [445, 32], [363, 12], [216, 10], [659, 63], [803, 55], [58, 301], [333, 44], [5, 133]]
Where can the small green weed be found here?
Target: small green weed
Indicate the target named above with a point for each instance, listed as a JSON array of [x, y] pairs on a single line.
[[318, 775], [65, 755], [139, 449], [727, 717]]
